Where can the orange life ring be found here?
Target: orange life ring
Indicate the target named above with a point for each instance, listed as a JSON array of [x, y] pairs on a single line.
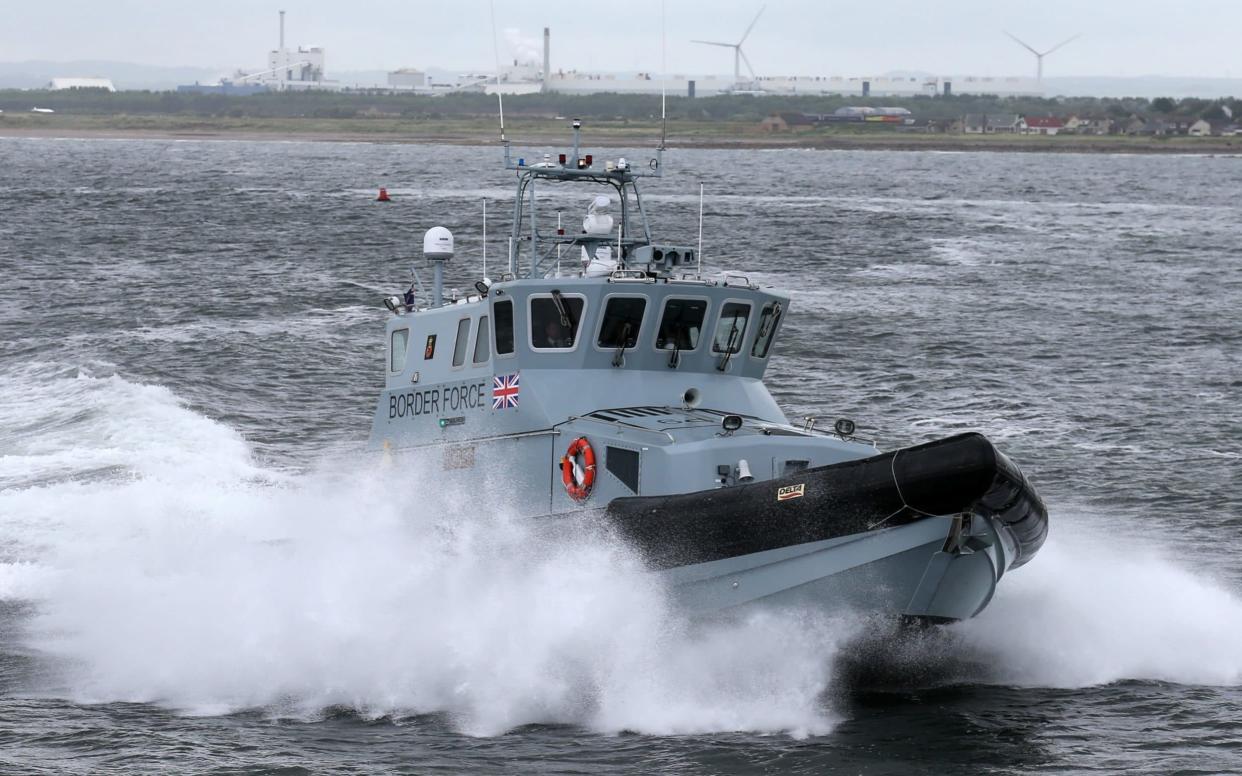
[[578, 491]]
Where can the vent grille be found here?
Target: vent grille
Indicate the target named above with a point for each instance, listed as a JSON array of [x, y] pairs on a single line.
[[631, 412]]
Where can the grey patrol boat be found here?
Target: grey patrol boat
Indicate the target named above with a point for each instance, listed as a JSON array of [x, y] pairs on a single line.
[[604, 378]]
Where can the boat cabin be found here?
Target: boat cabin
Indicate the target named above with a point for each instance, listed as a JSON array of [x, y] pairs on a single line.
[[600, 334]]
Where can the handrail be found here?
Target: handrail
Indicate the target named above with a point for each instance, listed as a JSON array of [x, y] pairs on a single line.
[[472, 440], [634, 426]]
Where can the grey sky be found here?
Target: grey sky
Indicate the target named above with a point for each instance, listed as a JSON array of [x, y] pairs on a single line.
[[807, 37]]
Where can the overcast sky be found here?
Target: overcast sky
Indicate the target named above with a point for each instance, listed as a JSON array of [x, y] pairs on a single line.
[[804, 37]]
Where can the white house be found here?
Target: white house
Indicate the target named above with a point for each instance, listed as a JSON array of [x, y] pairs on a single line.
[[1041, 125], [1205, 128], [58, 84]]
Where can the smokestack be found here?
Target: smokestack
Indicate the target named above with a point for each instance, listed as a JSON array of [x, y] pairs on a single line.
[[547, 58], [282, 31]]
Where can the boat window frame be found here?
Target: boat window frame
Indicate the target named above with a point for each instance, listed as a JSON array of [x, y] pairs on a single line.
[[480, 332], [513, 322], [741, 344], [461, 343], [707, 316], [599, 326], [405, 354], [776, 325], [530, 318]]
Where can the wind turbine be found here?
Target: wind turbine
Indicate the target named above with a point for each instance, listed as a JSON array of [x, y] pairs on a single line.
[[1039, 55], [738, 55]]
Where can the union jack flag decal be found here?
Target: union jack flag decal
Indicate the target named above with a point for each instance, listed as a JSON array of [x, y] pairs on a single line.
[[505, 392]]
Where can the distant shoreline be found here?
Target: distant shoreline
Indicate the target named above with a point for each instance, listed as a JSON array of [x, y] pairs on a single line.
[[682, 134]]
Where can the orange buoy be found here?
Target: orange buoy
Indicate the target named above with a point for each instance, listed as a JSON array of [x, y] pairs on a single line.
[[383, 195]]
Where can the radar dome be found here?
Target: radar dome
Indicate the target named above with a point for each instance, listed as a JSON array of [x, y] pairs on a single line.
[[438, 244]]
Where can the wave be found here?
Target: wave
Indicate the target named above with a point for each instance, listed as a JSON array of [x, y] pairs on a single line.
[[162, 564], [195, 579]]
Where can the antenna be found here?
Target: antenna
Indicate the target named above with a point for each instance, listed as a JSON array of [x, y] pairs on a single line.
[[485, 238], [500, 98], [700, 253], [739, 56], [1039, 55], [663, 76]]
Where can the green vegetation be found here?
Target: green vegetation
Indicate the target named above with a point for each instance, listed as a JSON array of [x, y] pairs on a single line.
[[613, 107], [613, 120]]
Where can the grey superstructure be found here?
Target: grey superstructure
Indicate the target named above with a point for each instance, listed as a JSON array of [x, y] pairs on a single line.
[[604, 377]]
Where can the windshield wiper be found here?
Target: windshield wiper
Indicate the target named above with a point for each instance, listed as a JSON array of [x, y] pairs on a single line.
[[557, 300], [769, 322], [724, 362], [675, 330], [618, 358]]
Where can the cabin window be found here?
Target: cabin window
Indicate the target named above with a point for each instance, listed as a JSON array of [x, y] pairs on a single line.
[[731, 328], [463, 338], [681, 324], [768, 319], [554, 326], [622, 317], [400, 346], [504, 327], [482, 343], [623, 464]]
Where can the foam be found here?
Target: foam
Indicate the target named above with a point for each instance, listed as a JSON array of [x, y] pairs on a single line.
[[1097, 606], [192, 578], [188, 575]]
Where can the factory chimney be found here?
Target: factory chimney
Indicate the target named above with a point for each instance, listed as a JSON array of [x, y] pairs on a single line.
[[282, 31], [547, 58]]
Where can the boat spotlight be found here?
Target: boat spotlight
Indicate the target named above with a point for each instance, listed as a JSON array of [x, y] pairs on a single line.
[[481, 286], [391, 303], [731, 423], [844, 427]]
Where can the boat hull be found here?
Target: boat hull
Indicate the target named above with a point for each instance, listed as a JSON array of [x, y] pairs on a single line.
[[925, 531], [904, 570]]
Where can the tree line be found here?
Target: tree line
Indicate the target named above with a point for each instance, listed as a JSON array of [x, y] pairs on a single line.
[[612, 107]]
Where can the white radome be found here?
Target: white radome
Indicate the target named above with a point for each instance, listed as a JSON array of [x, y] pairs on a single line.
[[438, 243]]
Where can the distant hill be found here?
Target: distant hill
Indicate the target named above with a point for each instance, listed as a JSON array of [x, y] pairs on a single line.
[[1148, 86], [35, 74]]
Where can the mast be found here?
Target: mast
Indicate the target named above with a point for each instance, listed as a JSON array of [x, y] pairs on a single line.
[[545, 245]]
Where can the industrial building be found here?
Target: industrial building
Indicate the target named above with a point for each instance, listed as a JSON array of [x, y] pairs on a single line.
[[529, 77], [303, 68], [408, 78], [293, 70], [299, 69]]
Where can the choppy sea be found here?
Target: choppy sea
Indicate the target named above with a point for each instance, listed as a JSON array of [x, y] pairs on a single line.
[[203, 570]]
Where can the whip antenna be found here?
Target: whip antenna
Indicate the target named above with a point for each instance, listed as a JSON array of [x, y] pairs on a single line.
[[663, 76], [700, 253], [500, 98], [485, 238]]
